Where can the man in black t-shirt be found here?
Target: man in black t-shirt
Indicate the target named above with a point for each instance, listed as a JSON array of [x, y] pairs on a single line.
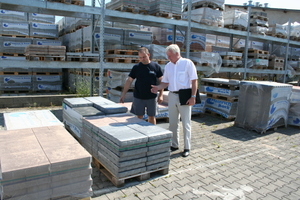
[[146, 73]]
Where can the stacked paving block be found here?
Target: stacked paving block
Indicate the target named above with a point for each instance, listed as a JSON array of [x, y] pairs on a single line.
[[122, 145], [276, 63], [236, 19], [222, 96], [259, 23], [115, 83], [144, 147], [294, 110], [263, 105], [45, 52], [165, 8], [231, 59], [53, 165], [277, 30], [75, 109], [257, 59], [129, 6], [208, 12]]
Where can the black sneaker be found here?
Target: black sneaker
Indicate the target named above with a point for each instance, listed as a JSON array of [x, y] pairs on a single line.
[[174, 149], [186, 153]]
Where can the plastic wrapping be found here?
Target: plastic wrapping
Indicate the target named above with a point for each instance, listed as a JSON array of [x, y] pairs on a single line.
[[263, 105], [218, 4], [236, 17], [206, 16]]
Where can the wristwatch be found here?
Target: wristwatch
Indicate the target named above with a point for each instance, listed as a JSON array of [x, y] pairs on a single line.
[[193, 96]]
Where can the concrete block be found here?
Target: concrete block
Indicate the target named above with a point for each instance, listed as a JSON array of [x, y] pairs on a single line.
[[77, 102]]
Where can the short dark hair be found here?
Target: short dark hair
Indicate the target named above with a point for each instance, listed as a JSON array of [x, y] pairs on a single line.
[[143, 50]]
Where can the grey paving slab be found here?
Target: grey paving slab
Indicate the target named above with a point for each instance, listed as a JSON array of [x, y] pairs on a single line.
[[226, 162]]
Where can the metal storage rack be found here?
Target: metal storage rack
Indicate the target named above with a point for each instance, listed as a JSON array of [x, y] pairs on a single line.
[[53, 8]]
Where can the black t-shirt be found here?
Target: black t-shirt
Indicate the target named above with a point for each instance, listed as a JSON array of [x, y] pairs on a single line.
[[145, 75]]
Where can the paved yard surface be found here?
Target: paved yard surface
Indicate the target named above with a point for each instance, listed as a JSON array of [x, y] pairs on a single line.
[[226, 163]]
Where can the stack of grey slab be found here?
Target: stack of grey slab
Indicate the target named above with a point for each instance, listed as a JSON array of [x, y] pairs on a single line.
[[10, 81], [133, 37], [53, 165], [125, 145], [111, 36], [165, 6], [12, 15], [222, 96], [263, 105], [43, 30], [74, 109], [20, 28], [294, 110], [47, 79], [14, 44], [41, 18]]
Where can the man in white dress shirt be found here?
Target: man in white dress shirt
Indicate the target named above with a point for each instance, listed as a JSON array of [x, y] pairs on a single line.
[[179, 73]]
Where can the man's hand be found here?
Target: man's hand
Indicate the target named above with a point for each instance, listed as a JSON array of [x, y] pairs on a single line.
[[154, 89], [191, 101], [159, 99]]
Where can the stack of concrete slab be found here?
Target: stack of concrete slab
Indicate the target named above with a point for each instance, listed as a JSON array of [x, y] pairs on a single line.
[[143, 148], [133, 37], [20, 28], [43, 30], [117, 79], [165, 6], [41, 18], [53, 164], [208, 12], [30, 119], [222, 96], [14, 44], [294, 110], [111, 36], [15, 79], [236, 19], [75, 109], [12, 15], [115, 94], [263, 105]]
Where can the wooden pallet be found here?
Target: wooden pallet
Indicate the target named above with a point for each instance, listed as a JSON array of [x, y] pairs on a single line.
[[12, 54], [161, 61], [295, 38], [47, 73], [13, 91], [259, 67], [220, 85], [167, 15], [122, 60], [45, 58], [15, 73], [235, 27], [229, 57], [258, 56], [75, 2], [277, 35], [232, 65], [222, 98], [14, 36], [119, 182], [251, 50], [132, 9], [122, 52]]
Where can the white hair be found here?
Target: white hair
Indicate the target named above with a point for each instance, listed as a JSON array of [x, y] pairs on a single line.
[[174, 48]]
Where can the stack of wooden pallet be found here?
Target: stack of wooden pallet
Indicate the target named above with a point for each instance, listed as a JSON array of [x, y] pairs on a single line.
[[121, 56], [231, 59], [222, 96], [45, 52], [277, 30], [257, 59]]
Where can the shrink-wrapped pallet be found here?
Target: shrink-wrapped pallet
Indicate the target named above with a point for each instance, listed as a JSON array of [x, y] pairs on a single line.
[[263, 105]]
